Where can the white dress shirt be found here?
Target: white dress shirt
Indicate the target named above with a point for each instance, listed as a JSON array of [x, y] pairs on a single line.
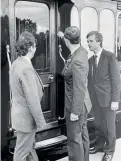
[[98, 55]]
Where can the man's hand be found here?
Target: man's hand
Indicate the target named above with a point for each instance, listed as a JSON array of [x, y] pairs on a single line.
[[60, 34], [74, 117], [114, 106]]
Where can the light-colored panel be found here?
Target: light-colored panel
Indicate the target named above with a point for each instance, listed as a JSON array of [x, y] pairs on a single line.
[[118, 50], [107, 28], [119, 29], [89, 22], [75, 17]]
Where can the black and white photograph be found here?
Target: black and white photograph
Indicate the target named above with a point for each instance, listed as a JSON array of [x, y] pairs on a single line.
[[60, 80]]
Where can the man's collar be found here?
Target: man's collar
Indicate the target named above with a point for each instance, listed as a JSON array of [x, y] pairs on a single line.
[[27, 59], [99, 53], [70, 57], [75, 49]]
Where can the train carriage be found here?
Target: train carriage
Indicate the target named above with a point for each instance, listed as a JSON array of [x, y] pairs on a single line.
[[44, 18]]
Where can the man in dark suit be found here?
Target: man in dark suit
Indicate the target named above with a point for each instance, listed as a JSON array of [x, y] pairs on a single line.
[[77, 101], [27, 92], [104, 89]]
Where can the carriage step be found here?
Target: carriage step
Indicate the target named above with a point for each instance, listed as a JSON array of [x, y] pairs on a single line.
[[50, 142]]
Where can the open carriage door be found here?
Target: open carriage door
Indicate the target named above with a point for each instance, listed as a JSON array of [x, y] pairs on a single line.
[[38, 18]]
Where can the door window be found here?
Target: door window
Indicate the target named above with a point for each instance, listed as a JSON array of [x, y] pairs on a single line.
[[34, 17]]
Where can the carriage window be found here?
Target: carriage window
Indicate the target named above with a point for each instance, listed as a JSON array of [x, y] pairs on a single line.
[[75, 17], [89, 22], [34, 17], [119, 39], [107, 28], [119, 43]]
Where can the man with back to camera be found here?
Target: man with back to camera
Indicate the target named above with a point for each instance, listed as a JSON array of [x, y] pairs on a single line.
[[77, 101], [27, 92], [104, 89]]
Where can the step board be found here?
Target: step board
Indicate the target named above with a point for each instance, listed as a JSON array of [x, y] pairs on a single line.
[[50, 142]]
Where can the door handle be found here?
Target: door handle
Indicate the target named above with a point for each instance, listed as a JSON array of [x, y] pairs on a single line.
[[61, 120], [51, 78]]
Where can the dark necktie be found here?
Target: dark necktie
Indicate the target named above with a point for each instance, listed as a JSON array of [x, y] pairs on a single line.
[[94, 65], [95, 60]]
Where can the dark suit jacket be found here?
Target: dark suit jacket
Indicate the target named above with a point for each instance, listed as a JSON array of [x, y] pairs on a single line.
[[75, 73], [26, 112], [106, 81]]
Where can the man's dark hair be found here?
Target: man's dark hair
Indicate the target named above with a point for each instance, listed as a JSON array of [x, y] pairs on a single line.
[[98, 36], [25, 41], [72, 34]]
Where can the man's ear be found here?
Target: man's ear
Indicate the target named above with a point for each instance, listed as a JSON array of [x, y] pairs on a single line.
[[30, 49], [99, 42], [67, 42]]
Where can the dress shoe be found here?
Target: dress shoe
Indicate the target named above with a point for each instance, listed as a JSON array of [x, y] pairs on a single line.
[[107, 157], [95, 149]]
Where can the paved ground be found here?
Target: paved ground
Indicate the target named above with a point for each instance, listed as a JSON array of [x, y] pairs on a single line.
[[98, 156]]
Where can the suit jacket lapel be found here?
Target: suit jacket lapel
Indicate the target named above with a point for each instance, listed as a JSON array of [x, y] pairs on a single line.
[[100, 63]]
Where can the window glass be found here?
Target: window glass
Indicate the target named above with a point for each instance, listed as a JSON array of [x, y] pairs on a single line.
[[107, 28], [119, 39], [75, 17], [89, 22], [34, 17], [119, 46]]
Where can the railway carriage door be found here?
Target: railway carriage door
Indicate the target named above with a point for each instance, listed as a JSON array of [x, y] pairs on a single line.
[[39, 18]]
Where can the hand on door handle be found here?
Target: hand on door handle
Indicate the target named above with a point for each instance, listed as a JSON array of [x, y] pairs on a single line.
[[51, 78]]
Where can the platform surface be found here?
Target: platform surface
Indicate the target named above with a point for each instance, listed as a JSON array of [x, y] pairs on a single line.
[[98, 156]]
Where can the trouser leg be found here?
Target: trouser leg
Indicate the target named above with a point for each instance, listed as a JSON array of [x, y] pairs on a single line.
[[99, 124], [24, 150], [105, 123], [109, 129], [77, 138], [85, 139]]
